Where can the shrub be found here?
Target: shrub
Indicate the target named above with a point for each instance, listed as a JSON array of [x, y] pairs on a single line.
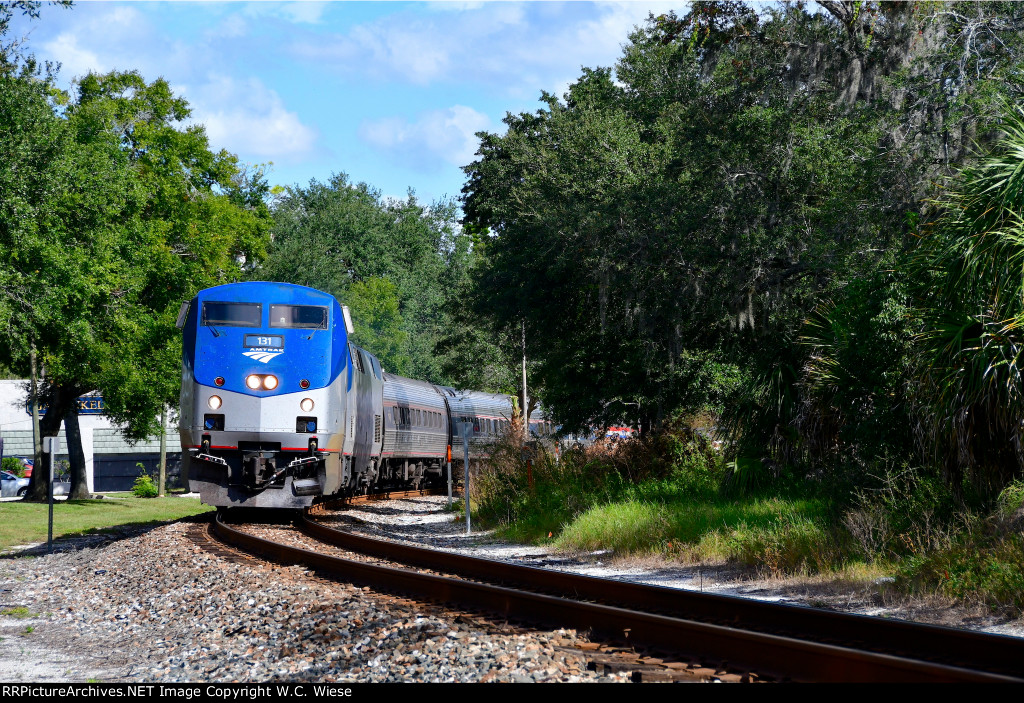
[[983, 566], [907, 513], [14, 466], [1010, 506], [528, 503], [144, 486]]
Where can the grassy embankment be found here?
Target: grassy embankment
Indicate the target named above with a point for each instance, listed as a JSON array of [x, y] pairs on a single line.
[[26, 523], [668, 497]]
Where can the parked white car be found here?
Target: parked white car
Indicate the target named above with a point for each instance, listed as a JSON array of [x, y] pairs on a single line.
[[11, 486]]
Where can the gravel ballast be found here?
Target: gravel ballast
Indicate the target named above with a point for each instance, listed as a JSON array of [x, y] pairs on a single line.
[[159, 607]]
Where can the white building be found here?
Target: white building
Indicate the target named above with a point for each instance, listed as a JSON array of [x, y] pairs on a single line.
[[111, 463]]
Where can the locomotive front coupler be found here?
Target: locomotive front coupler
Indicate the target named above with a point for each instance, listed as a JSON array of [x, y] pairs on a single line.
[[259, 469]]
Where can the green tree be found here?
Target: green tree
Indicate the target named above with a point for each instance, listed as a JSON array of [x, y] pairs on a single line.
[[112, 215], [396, 263], [969, 380], [374, 304], [740, 167], [694, 205]]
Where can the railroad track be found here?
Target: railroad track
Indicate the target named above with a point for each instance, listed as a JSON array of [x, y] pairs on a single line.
[[777, 641]]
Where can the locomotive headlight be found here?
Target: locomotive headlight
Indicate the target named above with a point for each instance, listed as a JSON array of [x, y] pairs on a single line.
[[214, 402], [253, 382], [306, 404], [270, 382]]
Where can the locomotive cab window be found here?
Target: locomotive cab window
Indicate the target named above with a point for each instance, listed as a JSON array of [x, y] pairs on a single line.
[[299, 316], [232, 314]]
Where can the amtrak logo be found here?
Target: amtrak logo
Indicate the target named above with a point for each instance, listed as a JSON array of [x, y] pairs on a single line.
[[261, 356]]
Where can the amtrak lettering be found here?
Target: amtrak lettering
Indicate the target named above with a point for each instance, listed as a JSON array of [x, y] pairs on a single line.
[[262, 355]]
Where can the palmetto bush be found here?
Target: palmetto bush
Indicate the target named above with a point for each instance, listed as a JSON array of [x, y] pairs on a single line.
[[969, 386]]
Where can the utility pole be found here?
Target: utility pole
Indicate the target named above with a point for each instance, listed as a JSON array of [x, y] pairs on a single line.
[[526, 416], [163, 451]]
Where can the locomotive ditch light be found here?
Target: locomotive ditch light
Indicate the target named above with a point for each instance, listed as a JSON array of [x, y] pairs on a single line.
[[306, 404], [214, 402], [270, 382], [253, 382]]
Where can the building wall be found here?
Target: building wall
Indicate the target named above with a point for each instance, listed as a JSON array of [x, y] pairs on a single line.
[[110, 461]]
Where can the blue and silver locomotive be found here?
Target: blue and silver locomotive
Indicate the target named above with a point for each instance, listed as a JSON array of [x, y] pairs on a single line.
[[278, 407]]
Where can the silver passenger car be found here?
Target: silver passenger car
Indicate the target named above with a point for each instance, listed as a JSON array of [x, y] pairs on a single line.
[[416, 429]]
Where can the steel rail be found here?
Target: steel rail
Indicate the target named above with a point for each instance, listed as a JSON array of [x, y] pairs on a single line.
[[959, 648], [373, 497], [743, 649]]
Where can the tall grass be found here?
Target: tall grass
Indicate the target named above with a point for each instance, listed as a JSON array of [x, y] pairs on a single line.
[[652, 495], [980, 564], [775, 536], [668, 495]]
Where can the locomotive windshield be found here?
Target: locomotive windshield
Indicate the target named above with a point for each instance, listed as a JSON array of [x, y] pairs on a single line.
[[300, 316], [232, 314]]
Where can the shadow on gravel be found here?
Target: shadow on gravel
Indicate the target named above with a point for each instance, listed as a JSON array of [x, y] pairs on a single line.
[[96, 538], [387, 510]]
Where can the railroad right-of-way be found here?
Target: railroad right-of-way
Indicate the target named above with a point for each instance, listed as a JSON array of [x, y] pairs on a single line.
[[789, 642]]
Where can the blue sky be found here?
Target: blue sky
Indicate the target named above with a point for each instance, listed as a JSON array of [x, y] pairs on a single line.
[[390, 93]]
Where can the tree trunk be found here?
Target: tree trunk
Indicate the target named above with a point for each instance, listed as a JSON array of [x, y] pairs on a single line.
[[59, 399], [163, 452], [76, 455], [37, 437]]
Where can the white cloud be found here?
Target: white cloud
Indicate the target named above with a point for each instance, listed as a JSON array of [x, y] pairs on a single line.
[[437, 136], [102, 38], [240, 113], [516, 48], [233, 27], [76, 61], [407, 48], [244, 116], [305, 12]]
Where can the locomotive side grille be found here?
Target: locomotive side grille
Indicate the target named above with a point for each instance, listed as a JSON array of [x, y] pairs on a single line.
[[376, 428]]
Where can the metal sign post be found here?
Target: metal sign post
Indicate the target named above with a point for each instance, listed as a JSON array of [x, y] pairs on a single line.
[[448, 456], [466, 431], [51, 445]]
